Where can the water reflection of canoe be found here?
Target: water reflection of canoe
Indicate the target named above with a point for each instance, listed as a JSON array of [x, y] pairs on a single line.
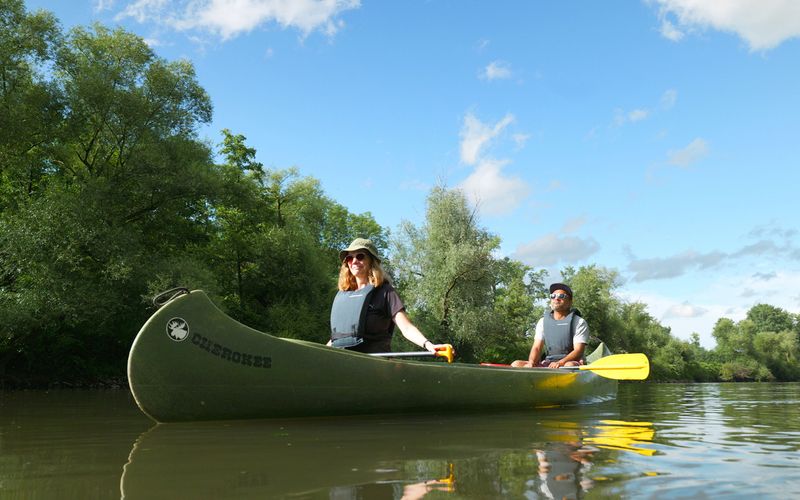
[[377, 456], [280, 458], [190, 361]]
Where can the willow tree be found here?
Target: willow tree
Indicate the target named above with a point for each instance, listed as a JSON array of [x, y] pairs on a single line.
[[454, 286]]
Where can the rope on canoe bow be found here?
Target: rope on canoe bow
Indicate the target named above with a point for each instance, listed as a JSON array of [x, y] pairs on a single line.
[[164, 297]]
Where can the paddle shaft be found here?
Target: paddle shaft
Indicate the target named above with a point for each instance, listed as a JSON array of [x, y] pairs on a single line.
[[446, 351], [402, 354]]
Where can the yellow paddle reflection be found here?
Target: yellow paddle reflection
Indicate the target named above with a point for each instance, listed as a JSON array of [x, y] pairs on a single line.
[[607, 434], [565, 463], [417, 491], [622, 435]]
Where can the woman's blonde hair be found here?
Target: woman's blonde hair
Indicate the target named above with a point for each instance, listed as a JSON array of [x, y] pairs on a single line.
[[377, 276]]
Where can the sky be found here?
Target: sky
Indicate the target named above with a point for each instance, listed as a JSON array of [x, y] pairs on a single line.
[[657, 138]]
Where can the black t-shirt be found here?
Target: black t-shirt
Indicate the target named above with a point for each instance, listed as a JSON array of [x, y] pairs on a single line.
[[383, 305]]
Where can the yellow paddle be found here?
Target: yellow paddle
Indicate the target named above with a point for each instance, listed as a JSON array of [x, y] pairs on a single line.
[[621, 366]]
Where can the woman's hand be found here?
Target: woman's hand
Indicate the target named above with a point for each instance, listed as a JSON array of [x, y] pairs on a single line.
[[431, 347], [412, 334]]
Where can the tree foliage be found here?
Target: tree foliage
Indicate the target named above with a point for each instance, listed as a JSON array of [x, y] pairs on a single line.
[[30, 108], [457, 290], [763, 346]]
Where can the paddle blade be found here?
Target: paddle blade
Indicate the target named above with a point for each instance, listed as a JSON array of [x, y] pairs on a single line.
[[621, 366]]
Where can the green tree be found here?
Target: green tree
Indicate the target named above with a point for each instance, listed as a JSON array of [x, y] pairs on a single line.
[[762, 346], [125, 196], [457, 291], [769, 318], [272, 247], [30, 108], [237, 212], [126, 108], [778, 351]]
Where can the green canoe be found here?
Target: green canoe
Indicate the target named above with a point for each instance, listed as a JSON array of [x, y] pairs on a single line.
[[190, 361]]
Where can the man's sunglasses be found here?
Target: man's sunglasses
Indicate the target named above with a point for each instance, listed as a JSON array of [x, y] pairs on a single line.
[[359, 257], [561, 296]]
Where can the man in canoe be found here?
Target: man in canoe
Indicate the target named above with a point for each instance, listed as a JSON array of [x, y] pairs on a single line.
[[367, 307], [562, 331]]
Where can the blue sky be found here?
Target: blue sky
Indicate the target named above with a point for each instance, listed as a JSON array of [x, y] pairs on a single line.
[[659, 138]]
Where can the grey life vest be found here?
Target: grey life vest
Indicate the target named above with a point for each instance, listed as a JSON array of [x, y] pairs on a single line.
[[348, 317], [558, 334]]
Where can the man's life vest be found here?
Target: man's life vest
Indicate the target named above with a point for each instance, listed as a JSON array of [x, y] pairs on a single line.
[[558, 334], [349, 317]]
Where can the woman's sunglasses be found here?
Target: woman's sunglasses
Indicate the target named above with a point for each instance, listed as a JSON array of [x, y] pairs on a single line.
[[359, 257]]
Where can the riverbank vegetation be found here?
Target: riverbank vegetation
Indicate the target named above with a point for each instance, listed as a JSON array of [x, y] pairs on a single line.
[[108, 196]]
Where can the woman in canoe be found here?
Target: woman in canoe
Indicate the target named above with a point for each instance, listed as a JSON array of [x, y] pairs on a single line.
[[367, 307]]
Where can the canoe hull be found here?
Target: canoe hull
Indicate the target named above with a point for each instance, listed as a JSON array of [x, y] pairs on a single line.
[[191, 362]]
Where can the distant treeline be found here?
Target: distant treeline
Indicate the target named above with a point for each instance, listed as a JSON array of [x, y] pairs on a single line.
[[108, 196]]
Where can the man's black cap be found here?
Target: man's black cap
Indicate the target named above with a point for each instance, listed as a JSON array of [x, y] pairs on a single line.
[[561, 286]]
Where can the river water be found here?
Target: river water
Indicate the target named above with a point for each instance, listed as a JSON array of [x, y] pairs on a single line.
[[653, 441]]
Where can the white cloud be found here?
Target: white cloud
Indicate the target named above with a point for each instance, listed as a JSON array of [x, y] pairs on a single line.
[[669, 98], [766, 252], [493, 192], [230, 18], [763, 24], [621, 117], [780, 289], [101, 5], [773, 229], [669, 31], [765, 276], [496, 70], [153, 42], [475, 135], [520, 139], [695, 151], [572, 225], [487, 186], [684, 310], [145, 10], [674, 266], [638, 115], [551, 249]]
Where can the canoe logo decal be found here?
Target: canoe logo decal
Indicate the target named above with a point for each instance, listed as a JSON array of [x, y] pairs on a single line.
[[177, 329], [230, 354]]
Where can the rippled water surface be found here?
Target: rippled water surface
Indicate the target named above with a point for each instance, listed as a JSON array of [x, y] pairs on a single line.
[[653, 441]]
